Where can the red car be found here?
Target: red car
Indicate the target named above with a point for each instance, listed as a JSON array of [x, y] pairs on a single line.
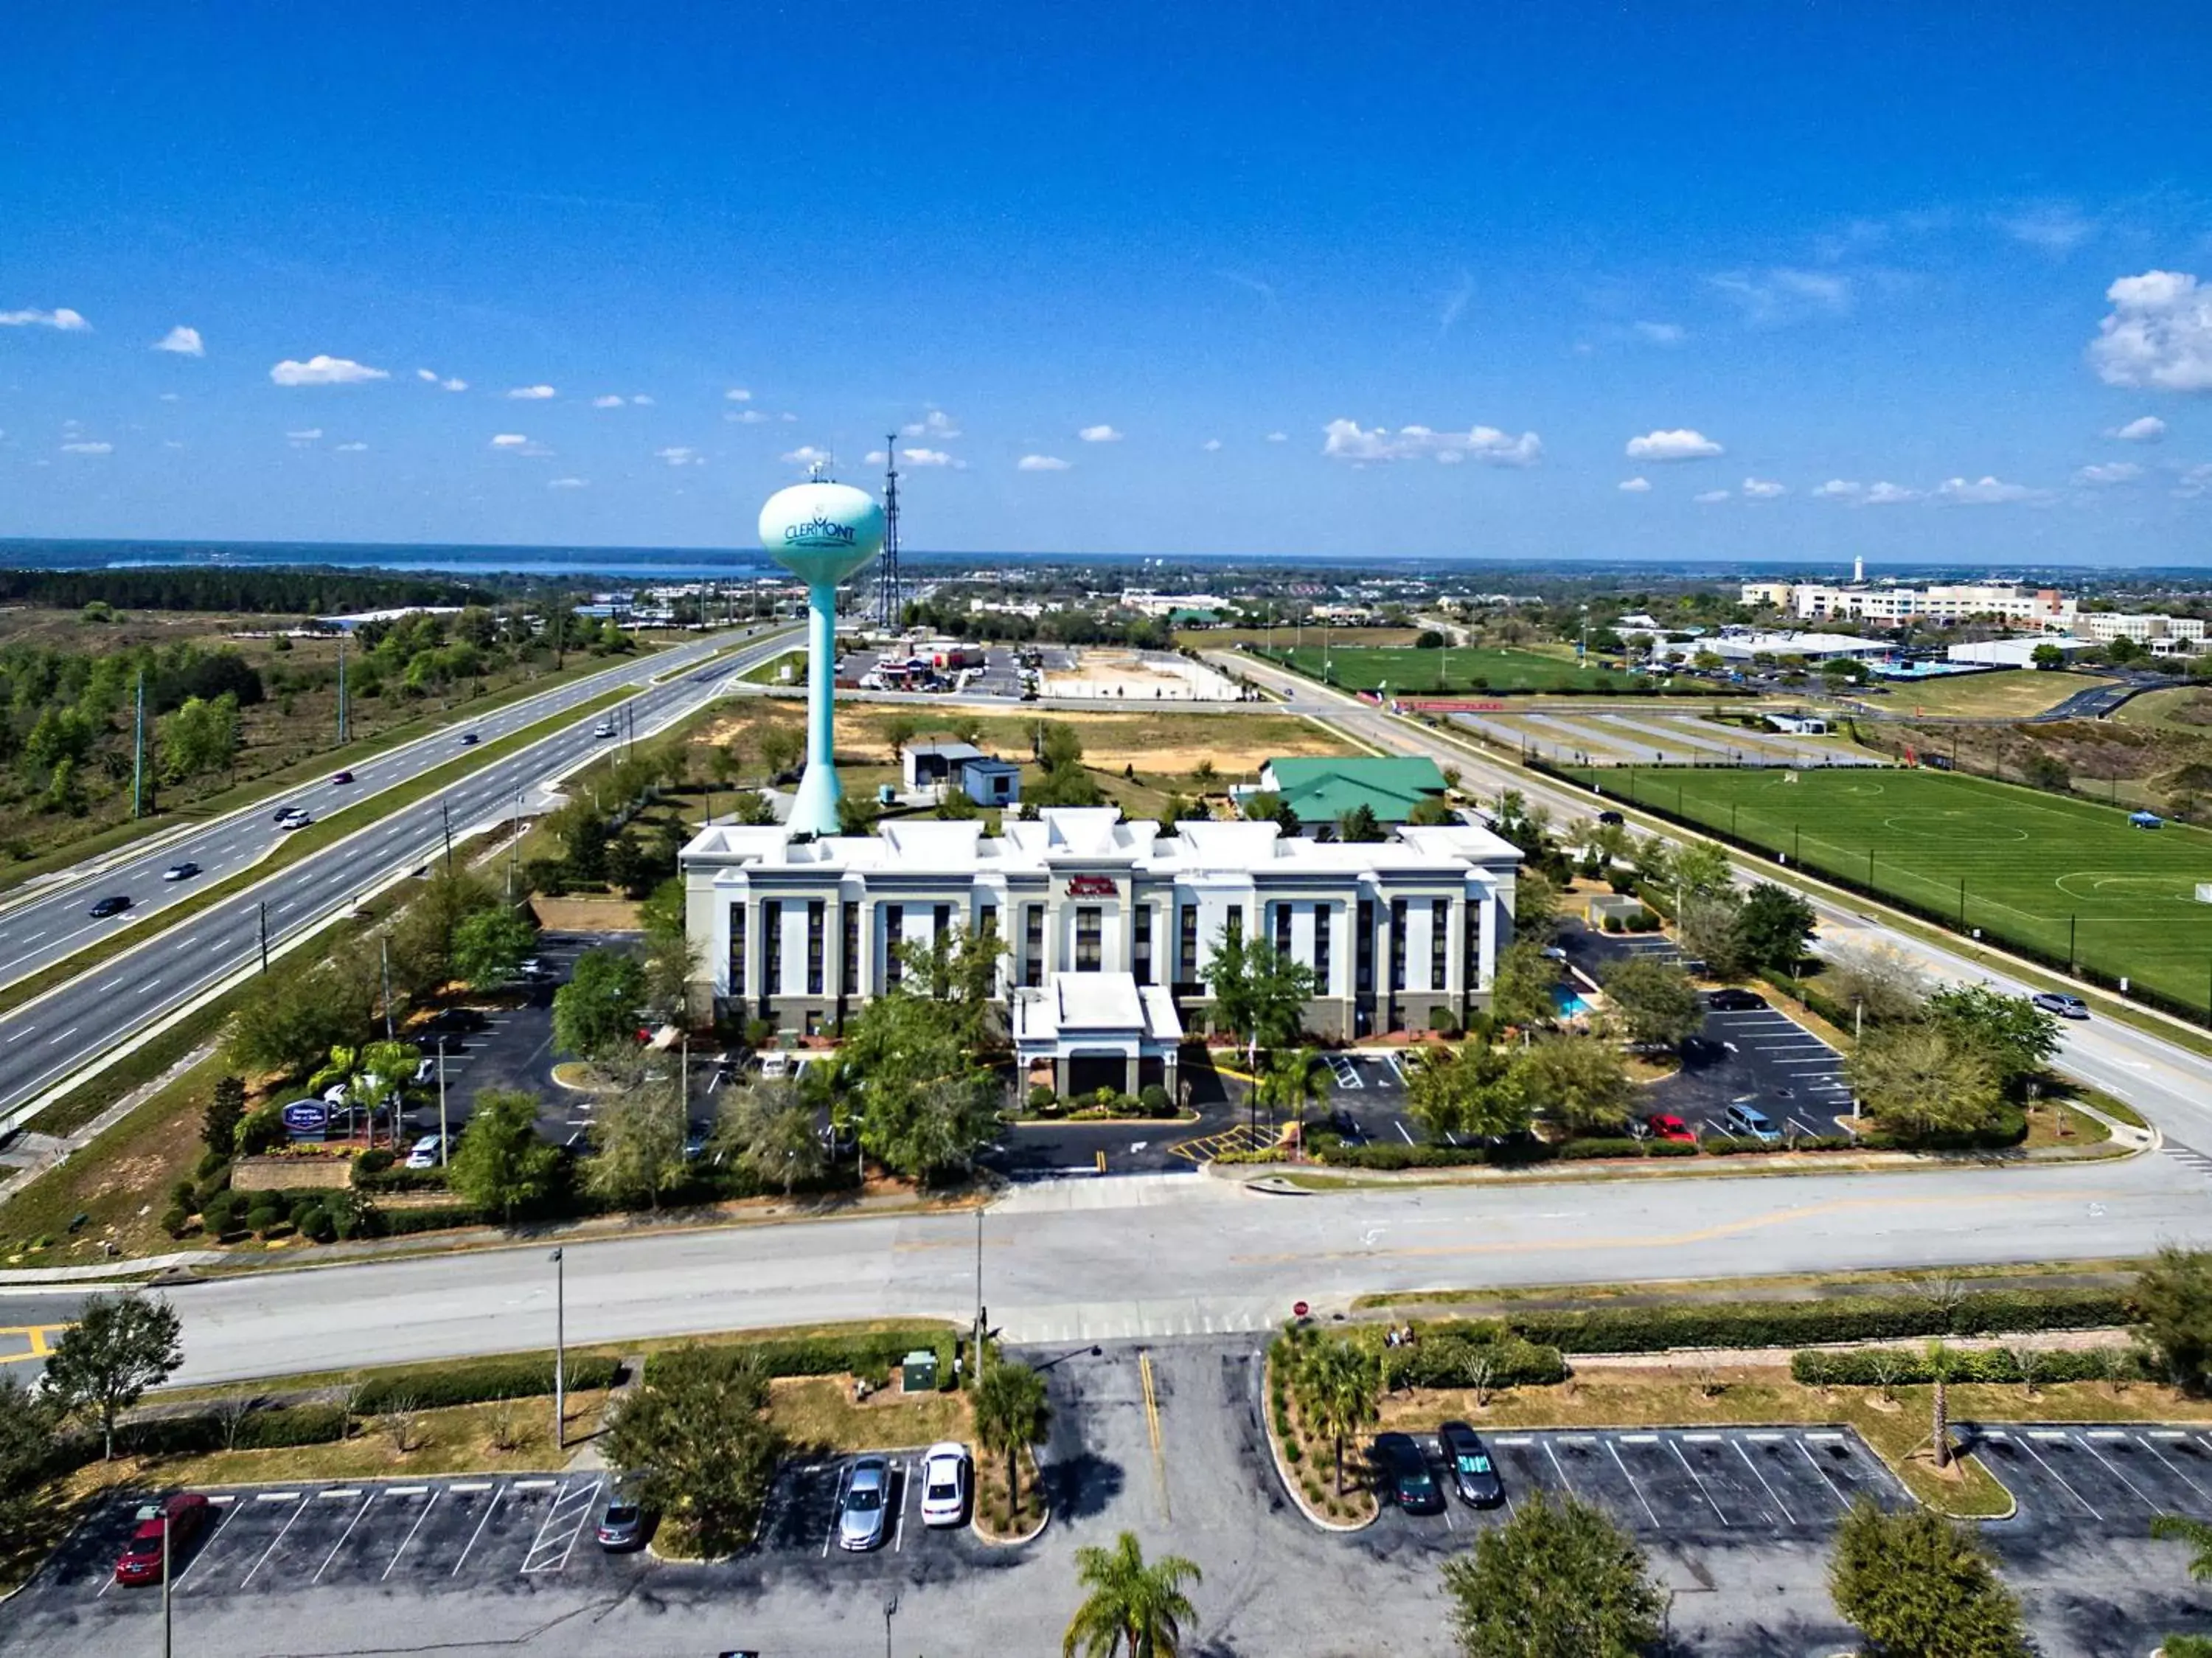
[[184, 1515], [1664, 1127]]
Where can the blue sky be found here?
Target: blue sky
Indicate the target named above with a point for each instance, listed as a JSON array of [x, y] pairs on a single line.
[[1915, 281]]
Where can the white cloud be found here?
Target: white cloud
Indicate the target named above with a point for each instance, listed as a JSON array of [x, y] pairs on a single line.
[[641, 400], [532, 394], [1041, 463], [1784, 295], [2114, 472], [1763, 489], [931, 458], [453, 383], [1862, 495], [1839, 488], [1681, 444], [2159, 333], [936, 423], [787, 417], [321, 370], [429, 376], [305, 436], [170, 397], [84, 446], [350, 449], [1985, 492], [1346, 440], [874, 458], [69, 322], [1709, 497], [683, 456], [1634, 486], [183, 341], [510, 441], [1210, 445], [568, 483], [806, 454], [2194, 481], [609, 401], [739, 394], [2145, 429], [2055, 229], [1661, 333], [749, 417], [1101, 433], [1889, 495], [1278, 437]]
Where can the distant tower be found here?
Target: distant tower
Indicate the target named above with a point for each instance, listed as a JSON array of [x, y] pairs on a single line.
[[821, 532], [889, 600], [1858, 571]]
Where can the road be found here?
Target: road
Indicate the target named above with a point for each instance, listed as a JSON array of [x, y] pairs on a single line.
[[48, 1039]]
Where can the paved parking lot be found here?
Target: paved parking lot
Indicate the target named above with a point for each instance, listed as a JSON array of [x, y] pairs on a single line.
[[800, 1522], [2109, 1478]]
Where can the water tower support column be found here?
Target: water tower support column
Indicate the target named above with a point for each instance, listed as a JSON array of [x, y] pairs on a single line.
[[814, 811]]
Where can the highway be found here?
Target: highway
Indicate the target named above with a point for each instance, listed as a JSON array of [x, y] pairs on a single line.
[[49, 1039]]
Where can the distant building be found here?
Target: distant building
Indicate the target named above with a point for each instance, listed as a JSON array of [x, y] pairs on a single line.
[[2016, 653], [989, 782], [930, 765], [1737, 646], [1319, 791]]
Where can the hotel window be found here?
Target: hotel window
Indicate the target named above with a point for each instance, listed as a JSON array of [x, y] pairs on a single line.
[[816, 915], [1088, 927], [848, 970], [737, 949], [1140, 942], [1282, 929], [940, 922], [1187, 943], [1471, 975], [1033, 945], [1233, 925], [772, 948], [1363, 949], [1439, 940], [1321, 949], [1397, 944], [894, 935]]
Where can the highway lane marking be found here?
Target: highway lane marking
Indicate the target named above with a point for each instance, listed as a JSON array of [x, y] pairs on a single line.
[[65, 1036]]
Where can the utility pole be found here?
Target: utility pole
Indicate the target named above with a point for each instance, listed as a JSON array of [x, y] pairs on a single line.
[[166, 1561], [383, 956], [342, 692], [515, 846], [446, 822], [975, 1379], [560, 1354], [263, 909], [138, 766]]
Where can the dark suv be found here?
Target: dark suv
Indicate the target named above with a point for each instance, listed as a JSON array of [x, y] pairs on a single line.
[[1404, 1475]]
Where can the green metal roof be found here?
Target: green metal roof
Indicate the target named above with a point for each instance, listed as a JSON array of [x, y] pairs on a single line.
[[1322, 789]]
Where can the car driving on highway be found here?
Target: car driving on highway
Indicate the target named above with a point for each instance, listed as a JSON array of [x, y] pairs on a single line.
[[2066, 1007], [113, 905], [184, 871]]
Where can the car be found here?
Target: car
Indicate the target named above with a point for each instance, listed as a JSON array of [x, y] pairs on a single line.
[[863, 1509], [182, 1517], [113, 905], [425, 1070], [424, 1154], [1732, 1000], [1664, 1125], [184, 871], [534, 969], [2066, 1007], [944, 1483], [775, 1062], [468, 740], [1611, 817], [1407, 1480], [1472, 1473], [337, 1093], [284, 812], [623, 1525], [454, 1020], [604, 729], [341, 779], [296, 819], [1750, 1121]]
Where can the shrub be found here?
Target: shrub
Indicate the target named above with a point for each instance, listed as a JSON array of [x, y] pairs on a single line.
[[1154, 1101], [315, 1224], [210, 1161], [1642, 921], [1905, 1366], [1801, 1323], [219, 1214], [433, 1388], [1041, 1097], [184, 1196], [374, 1160], [261, 1130], [1444, 1020], [1446, 1355], [176, 1220]]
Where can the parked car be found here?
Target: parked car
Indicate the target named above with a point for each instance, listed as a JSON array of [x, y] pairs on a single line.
[[865, 1505], [2066, 1007], [1472, 1470], [184, 871], [468, 740], [623, 1525], [342, 778], [337, 1093], [1665, 1126], [424, 1154], [1733, 1000], [945, 1482], [113, 905], [454, 1021], [1752, 1122], [183, 1516], [1407, 1480], [425, 1070]]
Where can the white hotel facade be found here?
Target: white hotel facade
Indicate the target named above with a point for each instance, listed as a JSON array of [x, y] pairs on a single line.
[[1109, 926]]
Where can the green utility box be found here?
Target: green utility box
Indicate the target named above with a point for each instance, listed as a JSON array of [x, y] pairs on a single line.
[[918, 1372]]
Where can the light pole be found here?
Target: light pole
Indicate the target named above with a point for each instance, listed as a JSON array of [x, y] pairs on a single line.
[[560, 1354], [890, 1610], [443, 1137], [977, 1379], [167, 1521]]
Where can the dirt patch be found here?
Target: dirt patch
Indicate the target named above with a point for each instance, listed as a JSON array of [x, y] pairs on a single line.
[[586, 914]]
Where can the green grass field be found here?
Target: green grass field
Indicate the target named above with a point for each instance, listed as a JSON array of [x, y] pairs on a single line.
[[2034, 866], [1410, 671]]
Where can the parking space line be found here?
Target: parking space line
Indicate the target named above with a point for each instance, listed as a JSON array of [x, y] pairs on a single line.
[[1565, 1485], [342, 1535], [836, 1511], [898, 1520], [472, 1485], [1789, 1517], [1676, 1446], [207, 1547], [488, 1508], [583, 1518], [1515, 1439], [2025, 1446], [2117, 1474], [278, 1496], [2177, 1471], [1820, 1474], [1632, 1485], [297, 1511], [412, 1529]]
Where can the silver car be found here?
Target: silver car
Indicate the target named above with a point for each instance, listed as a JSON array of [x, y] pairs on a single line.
[[866, 1502]]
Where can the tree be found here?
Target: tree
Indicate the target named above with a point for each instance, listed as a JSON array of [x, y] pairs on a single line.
[[119, 1346], [1708, 929], [595, 1012], [202, 736], [287, 1021], [2177, 1528], [1536, 906], [501, 1163], [1657, 1003], [692, 1441], [1260, 806], [1010, 1412], [1772, 928], [1291, 1082], [1919, 1080], [2047, 656], [2172, 1306], [1521, 987], [491, 946], [767, 1129], [1916, 1585], [1130, 1603], [1559, 1580], [637, 1136], [2016, 1037], [27, 1461], [899, 732], [422, 938], [958, 971], [1702, 870], [219, 1123], [1469, 1089], [1943, 1365], [781, 749], [1059, 747], [673, 959], [1576, 1082], [1885, 987], [1340, 1389], [1359, 826], [1260, 993]]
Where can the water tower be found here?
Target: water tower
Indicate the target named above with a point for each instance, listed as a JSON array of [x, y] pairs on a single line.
[[821, 532]]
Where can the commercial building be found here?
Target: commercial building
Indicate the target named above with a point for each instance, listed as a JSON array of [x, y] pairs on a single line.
[[1109, 927], [1321, 789], [2016, 653], [1732, 645]]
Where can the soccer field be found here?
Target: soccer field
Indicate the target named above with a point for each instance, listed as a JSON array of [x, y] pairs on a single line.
[[1409, 671], [2062, 877]]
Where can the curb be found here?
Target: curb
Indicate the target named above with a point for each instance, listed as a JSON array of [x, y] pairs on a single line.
[[1343, 1528]]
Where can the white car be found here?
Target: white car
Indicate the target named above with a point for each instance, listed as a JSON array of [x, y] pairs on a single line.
[[336, 1094], [426, 1072], [604, 729], [424, 1153], [945, 1482]]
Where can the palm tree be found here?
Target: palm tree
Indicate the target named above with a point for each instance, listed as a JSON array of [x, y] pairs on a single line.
[[1339, 1388], [1292, 1081], [1130, 1605], [1010, 1412], [2174, 1528], [1943, 1365]]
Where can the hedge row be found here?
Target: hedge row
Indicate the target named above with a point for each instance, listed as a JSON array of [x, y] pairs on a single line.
[[434, 1387], [1897, 1366], [1803, 1323], [872, 1355], [1449, 1356]]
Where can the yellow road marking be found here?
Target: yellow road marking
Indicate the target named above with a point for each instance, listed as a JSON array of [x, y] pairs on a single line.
[[1152, 1423], [34, 1337]]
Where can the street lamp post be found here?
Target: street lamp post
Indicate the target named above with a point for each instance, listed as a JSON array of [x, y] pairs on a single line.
[[890, 1610], [442, 1136], [560, 1354], [167, 1560]]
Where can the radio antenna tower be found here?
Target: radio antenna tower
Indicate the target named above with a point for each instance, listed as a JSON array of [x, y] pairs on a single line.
[[889, 604]]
